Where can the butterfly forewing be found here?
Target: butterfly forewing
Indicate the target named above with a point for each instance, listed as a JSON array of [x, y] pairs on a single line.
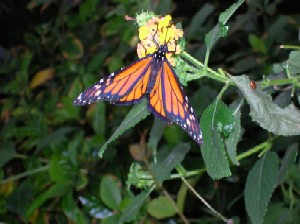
[[155, 98], [126, 86], [177, 107]]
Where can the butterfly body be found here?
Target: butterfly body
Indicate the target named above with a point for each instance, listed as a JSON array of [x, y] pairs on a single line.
[[154, 78]]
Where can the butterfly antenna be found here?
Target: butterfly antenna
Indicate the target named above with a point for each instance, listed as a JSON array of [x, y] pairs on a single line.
[[155, 34]]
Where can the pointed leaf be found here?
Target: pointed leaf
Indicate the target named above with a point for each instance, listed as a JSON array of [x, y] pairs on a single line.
[[134, 207], [156, 133], [287, 162], [260, 184], [55, 137], [224, 16], [215, 34], [135, 115], [216, 118], [220, 30], [54, 191], [269, 116], [162, 170]]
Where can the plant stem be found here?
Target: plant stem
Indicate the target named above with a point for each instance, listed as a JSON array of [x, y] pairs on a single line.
[[261, 147], [27, 173], [204, 201], [278, 82], [209, 72], [295, 47]]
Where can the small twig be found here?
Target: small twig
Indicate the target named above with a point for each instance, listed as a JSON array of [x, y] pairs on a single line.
[[27, 173], [205, 202]]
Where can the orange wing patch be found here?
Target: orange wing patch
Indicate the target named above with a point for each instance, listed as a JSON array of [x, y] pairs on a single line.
[[124, 81], [126, 86], [156, 97], [177, 107]]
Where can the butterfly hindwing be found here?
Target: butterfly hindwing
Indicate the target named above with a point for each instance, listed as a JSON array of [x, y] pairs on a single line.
[[176, 107], [155, 98], [127, 86]]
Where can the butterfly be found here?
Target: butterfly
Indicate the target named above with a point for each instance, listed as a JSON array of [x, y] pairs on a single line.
[[150, 77]]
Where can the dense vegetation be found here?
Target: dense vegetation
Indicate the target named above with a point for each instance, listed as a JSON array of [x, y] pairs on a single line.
[[240, 69]]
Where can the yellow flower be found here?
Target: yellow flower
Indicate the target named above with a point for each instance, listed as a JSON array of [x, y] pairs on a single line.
[[158, 31], [143, 32], [164, 22]]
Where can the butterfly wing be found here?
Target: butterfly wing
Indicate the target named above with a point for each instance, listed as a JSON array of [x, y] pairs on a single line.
[[156, 101], [127, 86], [168, 100]]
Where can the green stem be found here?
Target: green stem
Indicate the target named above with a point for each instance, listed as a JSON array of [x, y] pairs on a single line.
[[25, 174], [206, 59], [209, 72], [261, 147], [278, 82], [295, 47]]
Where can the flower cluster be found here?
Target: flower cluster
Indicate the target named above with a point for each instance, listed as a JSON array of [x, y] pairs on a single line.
[[158, 31]]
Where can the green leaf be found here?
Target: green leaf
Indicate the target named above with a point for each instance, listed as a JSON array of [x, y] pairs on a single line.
[[224, 16], [287, 162], [216, 118], [59, 170], [220, 30], [278, 213], [232, 141], [156, 133], [268, 115], [257, 43], [111, 219], [54, 191], [99, 120], [110, 192], [161, 208], [260, 184], [96, 61], [135, 115], [293, 63], [73, 146], [7, 152], [72, 47], [134, 207], [199, 18], [71, 210], [162, 170], [53, 138], [20, 198]]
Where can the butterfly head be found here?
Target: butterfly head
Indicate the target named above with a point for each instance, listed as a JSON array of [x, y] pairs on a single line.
[[161, 52]]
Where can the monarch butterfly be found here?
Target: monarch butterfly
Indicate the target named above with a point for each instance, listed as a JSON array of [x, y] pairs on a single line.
[[154, 78]]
